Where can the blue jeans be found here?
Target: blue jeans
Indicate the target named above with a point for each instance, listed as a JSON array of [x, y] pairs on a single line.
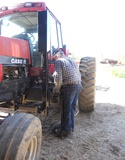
[[69, 96]]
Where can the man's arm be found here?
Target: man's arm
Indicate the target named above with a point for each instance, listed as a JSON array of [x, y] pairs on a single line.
[[57, 76]]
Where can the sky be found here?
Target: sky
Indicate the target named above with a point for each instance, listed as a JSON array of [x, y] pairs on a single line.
[[90, 27]]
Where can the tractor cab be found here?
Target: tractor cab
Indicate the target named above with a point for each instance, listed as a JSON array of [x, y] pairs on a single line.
[[22, 22]]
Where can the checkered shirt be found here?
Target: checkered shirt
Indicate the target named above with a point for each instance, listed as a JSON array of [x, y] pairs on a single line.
[[67, 71]]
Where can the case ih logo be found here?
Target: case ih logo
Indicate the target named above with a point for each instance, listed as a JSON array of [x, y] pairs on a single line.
[[18, 61], [12, 60]]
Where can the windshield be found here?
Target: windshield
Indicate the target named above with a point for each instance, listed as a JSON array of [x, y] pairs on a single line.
[[17, 23], [22, 25]]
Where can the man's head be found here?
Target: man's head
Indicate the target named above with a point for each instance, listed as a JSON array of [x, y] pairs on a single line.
[[57, 53]]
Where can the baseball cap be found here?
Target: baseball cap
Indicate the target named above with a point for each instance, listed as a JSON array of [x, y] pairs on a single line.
[[55, 51]]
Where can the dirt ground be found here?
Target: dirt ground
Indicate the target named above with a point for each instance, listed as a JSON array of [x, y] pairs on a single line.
[[99, 135]]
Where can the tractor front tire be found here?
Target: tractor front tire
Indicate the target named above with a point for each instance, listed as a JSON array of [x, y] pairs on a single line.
[[20, 137], [87, 69]]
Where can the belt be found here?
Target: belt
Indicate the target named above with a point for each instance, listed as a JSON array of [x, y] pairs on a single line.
[[72, 83]]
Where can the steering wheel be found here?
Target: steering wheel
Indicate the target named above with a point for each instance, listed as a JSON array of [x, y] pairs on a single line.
[[30, 36]]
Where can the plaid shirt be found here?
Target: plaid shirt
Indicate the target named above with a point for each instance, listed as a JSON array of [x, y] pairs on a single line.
[[67, 71]]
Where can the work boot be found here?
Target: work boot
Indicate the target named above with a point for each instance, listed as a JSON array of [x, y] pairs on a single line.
[[62, 133]]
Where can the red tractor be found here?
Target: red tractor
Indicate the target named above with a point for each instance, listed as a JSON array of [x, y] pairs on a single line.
[[28, 33]]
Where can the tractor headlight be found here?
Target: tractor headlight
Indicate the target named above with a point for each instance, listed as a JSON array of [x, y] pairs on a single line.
[[28, 4], [4, 8]]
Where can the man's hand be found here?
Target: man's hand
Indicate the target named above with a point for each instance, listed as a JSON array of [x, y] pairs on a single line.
[[56, 89]]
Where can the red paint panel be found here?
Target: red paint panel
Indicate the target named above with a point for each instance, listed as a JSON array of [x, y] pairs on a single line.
[[35, 71], [20, 7], [1, 72], [13, 47], [51, 68]]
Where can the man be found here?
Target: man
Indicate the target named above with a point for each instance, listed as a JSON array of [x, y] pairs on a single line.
[[68, 83]]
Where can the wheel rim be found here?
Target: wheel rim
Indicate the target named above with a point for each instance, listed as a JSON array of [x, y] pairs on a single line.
[[31, 149]]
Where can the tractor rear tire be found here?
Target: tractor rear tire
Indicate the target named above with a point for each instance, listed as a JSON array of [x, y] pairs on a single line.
[[87, 69], [20, 137]]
